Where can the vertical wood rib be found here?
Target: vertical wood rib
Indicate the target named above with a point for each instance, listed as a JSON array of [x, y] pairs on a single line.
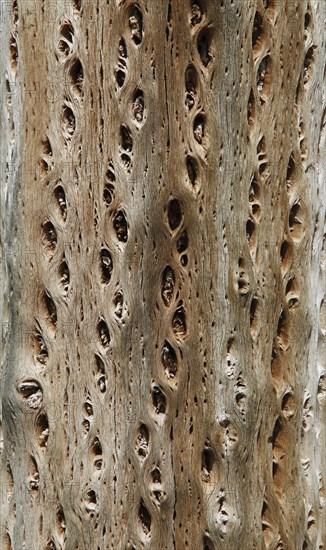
[[163, 376]]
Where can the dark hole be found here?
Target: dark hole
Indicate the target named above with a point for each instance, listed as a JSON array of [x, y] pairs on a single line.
[[120, 77], [179, 322], [96, 446], [138, 105], [103, 333], [199, 128], [182, 242], [91, 496], [122, 48], [174, 214], [281, 323], [50, 306], [61, 518], [13, 51], [50, 235], [102, 384], [120, 226], [207, 544], [61, 199], [47, 149], [126, 139], [192, 169], [126, 160], [159, 400], [169, 360], [255, 209], [169, 18], [64, 47], [168, 281], [42, 422], [184, 260], [69, 118], [208, 460], [98, 464], [136, 25], [142, 440], [274, 468], [44, 167], [99, 364], [15, 11], [251, 107], [64, 275], [77, 74], [41, 349], [109, 175], [42, 425], [287, 402], [203, 48], [290, 168], [289, 286], [262, 73], [67, 31], [262, 167], [118, 303], [308, 58], [284, 249], [108, 193], [28, 388], [106, 265], [254, 190], [144, 517], [253, 310], [257, 28], [250, 228], [88, 407], [307, 19], [191, 82], [293, 215], [293, 302], [276, 431], [156, 476], [196, 13]]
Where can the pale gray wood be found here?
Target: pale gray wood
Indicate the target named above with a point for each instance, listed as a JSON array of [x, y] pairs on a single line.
[[163, 274]]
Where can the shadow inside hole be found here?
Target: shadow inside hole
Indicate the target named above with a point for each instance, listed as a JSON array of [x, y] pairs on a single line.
[[169, 360], [203, 46], [174, 214], [60, 197], [77, 76], [179, 326], [257, 30], [159, 400], [192, 170], [136, 25], [199, 128], [145, 518], [138, 105], [168, 282], [191, 83], [120, 226]]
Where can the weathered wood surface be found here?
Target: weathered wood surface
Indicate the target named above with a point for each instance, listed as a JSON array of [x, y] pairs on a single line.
[[163, 270]]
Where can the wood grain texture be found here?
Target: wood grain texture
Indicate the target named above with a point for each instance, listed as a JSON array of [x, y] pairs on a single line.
[[163, 274]]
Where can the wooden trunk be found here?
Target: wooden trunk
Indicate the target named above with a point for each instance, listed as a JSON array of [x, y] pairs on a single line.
[[162, 274]]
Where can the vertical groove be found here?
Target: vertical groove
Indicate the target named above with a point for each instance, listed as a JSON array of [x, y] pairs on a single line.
[[163, 377]]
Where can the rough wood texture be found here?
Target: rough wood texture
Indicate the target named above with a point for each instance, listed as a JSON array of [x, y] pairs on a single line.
[[163, 206]]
